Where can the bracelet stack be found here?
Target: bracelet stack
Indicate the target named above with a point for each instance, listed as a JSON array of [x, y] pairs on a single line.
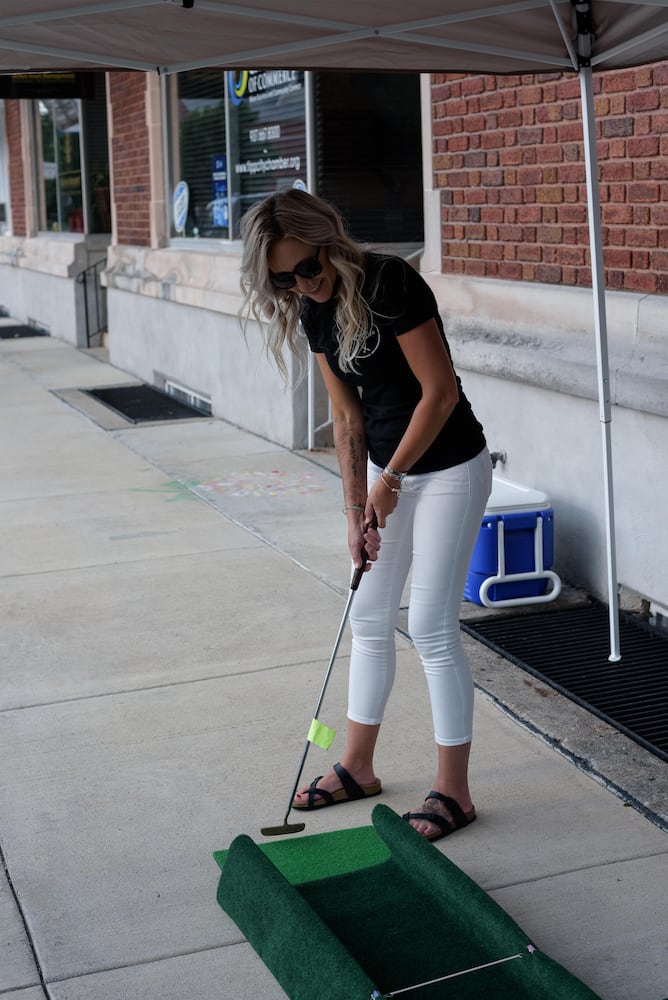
[[396, 477], [393, 482]]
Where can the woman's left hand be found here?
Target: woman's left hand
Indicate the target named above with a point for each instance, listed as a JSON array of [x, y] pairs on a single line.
[[382, 501]]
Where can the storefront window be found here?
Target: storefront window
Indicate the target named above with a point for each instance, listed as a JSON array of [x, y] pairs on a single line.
[[267, 117], [239, 136], [228, 161], [74, 160], [61, 165], [368, 141], [200, 152]]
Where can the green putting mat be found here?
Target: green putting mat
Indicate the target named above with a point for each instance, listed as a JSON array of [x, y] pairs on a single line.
[[371, 911]]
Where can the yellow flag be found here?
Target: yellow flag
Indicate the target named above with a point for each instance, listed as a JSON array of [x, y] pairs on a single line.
[[321, 735]]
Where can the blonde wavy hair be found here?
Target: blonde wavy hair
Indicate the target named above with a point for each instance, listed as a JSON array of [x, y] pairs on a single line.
[[298, 215]]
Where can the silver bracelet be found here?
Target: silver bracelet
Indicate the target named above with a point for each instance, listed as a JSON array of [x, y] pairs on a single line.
[[393, 474], [392, 489], [352, 506]]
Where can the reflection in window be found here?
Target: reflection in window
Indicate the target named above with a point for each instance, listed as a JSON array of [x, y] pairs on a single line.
[[199, 153], [73, 154]]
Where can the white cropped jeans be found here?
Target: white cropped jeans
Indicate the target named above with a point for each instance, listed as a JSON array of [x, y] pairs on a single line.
[[434, 528]]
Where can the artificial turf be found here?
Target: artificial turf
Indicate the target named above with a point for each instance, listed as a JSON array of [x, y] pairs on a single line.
[[379, 908]]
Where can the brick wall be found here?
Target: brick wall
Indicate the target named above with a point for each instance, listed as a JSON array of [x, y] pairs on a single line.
[[130, 156], [508, 156], [17, 192]]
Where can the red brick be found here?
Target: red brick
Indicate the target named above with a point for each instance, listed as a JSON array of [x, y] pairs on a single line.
[[530, 252], [529, 136], [492, 214], [570, 132], [549, 113], [659, 215], [551, 194], [645, 192], [458, 143], [549, 274], [659, 169], [547, 153], [617, 126], [492, 140], [475, 196], [619, 170], [511, 270], [512, 118], [621, 80], [643, 100], [529, 213], [568, 88], [530, 95], [510, 234], [549, 234], [570, 255], [636, 281], [647, 145], [529, 175], [572, 213], [617, 214], [642, 237], [658, 261], [491, 251], [473, 123], [491, 101], [616, 258], [510, 157], [472, 85]]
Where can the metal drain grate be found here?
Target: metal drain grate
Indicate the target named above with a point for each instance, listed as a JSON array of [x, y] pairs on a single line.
[[142, 403], [569, 651]]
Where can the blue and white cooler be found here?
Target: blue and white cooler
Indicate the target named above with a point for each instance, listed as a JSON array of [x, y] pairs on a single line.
[[514, 551]]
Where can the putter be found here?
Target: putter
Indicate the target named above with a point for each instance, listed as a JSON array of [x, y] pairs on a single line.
[[285, 827]]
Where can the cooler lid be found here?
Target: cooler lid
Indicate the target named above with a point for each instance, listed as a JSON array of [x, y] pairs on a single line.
[[509, 496]]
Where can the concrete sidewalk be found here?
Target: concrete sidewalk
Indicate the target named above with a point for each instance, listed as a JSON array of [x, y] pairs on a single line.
[[170, 595]]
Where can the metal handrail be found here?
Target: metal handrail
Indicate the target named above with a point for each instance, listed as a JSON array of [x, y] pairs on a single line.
[[83, 278]]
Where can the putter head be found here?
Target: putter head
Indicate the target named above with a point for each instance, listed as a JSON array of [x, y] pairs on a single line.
[[282, 830]]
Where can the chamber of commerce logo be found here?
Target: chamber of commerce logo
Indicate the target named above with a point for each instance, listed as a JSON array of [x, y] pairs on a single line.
[[259, 84], [237, 82]]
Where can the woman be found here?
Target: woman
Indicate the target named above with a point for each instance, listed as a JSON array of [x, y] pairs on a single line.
[[413, 460]]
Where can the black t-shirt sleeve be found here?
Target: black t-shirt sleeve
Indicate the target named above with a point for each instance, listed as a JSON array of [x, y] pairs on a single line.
[[403, 296]]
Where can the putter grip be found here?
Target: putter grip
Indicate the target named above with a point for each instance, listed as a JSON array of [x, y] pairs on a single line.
[[357, 576]]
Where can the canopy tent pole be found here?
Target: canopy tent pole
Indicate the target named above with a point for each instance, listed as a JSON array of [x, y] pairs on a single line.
[[600, 326]]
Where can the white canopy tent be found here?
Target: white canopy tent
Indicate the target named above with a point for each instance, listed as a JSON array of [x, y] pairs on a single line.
[[438, 36]]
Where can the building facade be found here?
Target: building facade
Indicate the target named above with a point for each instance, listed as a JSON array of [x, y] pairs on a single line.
[[478, 179]]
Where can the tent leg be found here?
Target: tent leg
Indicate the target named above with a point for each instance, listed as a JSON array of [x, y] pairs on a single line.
[[598, 287]]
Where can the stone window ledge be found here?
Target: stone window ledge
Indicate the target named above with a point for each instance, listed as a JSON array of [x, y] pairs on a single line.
[[543, 335]]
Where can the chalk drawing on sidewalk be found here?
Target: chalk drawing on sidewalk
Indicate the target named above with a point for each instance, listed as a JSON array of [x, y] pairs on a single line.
[[261, 484], [239, 484], [172, 490]]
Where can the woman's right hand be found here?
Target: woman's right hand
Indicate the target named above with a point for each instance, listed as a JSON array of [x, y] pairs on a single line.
[[382, 501]]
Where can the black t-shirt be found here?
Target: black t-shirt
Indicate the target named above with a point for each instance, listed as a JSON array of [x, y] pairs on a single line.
[[400, 300]]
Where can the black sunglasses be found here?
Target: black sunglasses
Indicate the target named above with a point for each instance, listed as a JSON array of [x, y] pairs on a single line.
[[308, 268]]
